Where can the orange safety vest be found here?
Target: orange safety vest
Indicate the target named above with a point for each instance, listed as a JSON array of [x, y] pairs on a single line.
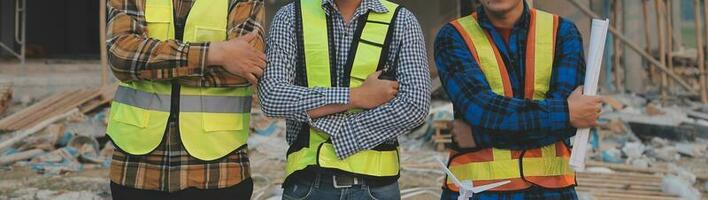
[[547, 166]]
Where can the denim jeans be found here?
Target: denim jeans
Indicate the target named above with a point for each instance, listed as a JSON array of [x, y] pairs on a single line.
[[319, 189]]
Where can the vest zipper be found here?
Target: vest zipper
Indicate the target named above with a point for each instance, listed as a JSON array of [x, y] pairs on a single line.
[[174, 102]]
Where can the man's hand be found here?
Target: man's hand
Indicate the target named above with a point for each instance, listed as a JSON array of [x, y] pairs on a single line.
[[239, 57], [584, 110], [462, 134], [374, 92]]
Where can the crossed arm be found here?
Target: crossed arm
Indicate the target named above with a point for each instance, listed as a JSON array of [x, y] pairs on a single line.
[[350, 133], [505, 122]]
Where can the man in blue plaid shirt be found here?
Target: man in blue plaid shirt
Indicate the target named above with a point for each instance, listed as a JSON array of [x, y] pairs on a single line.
[[486, 119]]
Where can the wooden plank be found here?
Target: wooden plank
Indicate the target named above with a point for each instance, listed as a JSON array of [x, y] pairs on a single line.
[[12, 158], [12, 119], [626, 181], [85, 100], [619, 176], [703, 86], [608, 196], [621, 167], [102, 37], [622, 191], [60, 107], [660, 28], [5, 97], [621, 186]]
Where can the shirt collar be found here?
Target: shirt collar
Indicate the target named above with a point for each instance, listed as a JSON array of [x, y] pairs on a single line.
[[486, 23], [366, 5]]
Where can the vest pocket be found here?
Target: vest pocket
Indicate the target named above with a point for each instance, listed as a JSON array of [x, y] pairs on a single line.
[[222, 122], [208, 34], [131, 115], [158, 20]]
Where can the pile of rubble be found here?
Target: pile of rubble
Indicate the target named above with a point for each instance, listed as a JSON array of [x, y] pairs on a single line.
[[661, 152]]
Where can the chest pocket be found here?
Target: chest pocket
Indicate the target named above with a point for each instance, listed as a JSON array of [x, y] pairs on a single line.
[[159, 21]]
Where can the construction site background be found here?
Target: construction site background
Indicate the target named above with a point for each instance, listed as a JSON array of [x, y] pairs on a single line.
[[653, 142]]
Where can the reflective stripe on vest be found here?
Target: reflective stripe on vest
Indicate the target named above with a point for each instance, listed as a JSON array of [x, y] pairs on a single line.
[[318, 151], [213, 122], [546, 166]]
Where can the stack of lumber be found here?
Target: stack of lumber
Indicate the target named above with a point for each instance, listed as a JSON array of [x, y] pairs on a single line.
[[628, 182], [5, 96], [83, 99], [622, 186]]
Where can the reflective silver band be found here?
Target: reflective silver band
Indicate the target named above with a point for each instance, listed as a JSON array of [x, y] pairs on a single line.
[[205, 104]]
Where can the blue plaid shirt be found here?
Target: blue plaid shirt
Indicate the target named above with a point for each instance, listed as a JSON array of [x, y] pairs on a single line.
[[350, 133], [511, 123]]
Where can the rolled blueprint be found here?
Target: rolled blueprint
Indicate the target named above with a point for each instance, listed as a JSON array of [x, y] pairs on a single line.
[[598, 36]]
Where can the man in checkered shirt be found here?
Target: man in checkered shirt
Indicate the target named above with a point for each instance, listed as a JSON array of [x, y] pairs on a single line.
[[392, 108]]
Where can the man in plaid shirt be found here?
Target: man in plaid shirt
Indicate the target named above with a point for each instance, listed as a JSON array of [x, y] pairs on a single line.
[[392, 108], [169, 171]]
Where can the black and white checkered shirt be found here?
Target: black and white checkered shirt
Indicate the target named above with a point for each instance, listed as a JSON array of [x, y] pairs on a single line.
[[350, 133]]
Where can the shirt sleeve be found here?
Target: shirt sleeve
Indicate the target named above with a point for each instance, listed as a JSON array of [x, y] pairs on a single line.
[[245, 16], [503, 122], [133, 55], [366, 130], [279, 95]]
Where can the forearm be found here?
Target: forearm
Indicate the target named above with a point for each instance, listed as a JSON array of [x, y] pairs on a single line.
[[369, 129], [134, 56], [245, 16], [328, 110], [406, 111], [499, 140], [491, 114]]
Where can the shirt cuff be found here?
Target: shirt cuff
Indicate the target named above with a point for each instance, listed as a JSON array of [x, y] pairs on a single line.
[[481, 139], [338, 95], [558, 114], [329, 124], [197, 58], [345, 142]]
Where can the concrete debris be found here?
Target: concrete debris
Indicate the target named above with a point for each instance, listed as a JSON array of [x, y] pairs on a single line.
[[633, 150], [682, 173], [37, 194], [641, 162], [612, 156], [691, 149], [677, 186], [667, 153]]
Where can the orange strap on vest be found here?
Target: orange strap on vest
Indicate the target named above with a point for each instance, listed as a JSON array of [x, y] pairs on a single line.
[[546, 166]]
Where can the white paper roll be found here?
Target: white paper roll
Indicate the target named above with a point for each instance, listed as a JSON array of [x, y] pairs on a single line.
[[598, 37]]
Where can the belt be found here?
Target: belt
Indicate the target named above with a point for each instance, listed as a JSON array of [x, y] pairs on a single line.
[[342, 179]]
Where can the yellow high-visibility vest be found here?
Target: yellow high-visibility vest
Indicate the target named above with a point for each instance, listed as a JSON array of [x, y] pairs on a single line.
[[213, 122], [544, 167], [313, 148]]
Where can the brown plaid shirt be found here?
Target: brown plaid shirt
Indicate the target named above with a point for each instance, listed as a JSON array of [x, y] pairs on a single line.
[[134, 56]]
